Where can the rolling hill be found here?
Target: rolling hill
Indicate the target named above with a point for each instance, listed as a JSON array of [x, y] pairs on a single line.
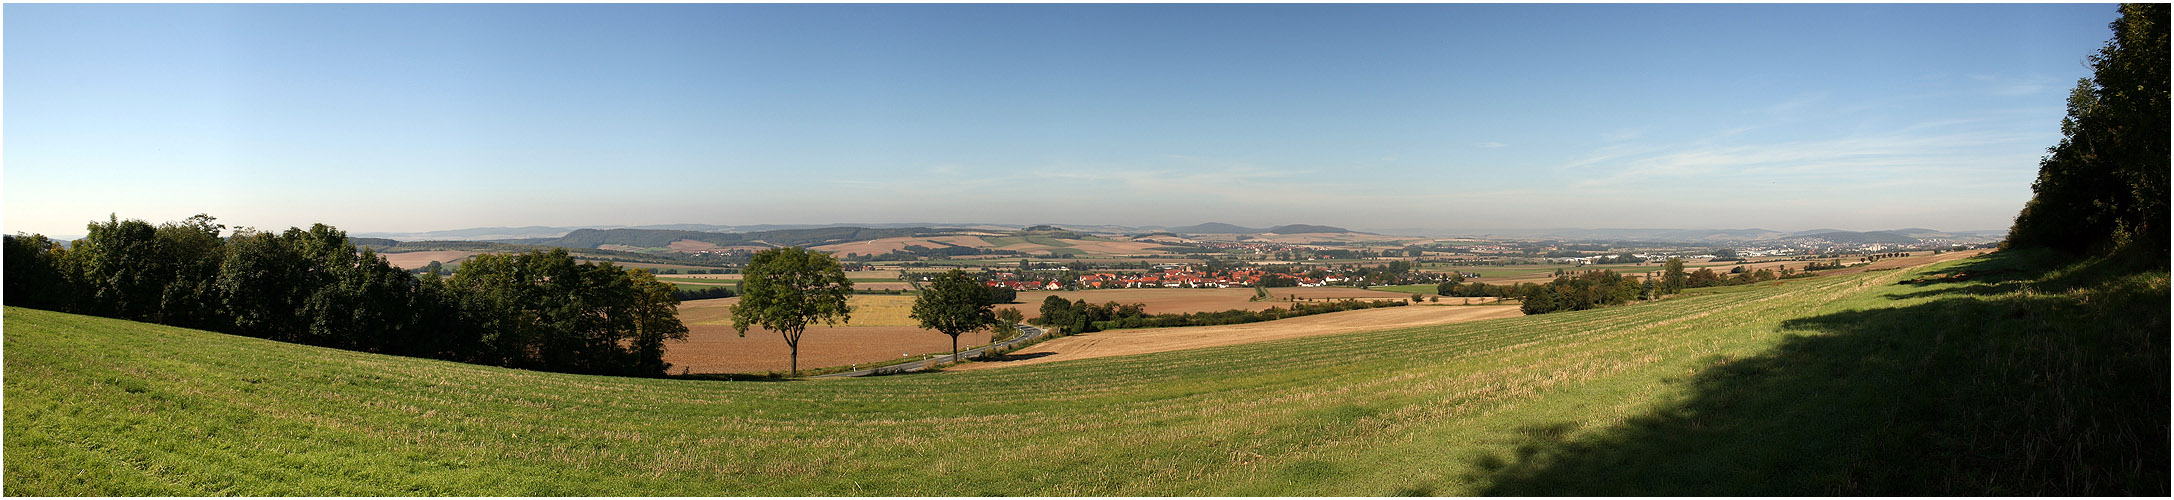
[[1872, 383]]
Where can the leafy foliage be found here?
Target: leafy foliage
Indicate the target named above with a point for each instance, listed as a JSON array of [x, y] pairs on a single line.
[[1579, 292], [539, 310], [786, 289], [954, 303], [2103, 188]]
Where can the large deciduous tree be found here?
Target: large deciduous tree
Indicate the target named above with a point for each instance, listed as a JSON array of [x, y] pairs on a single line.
[[2103, 188], [786, 289], [954, 303]]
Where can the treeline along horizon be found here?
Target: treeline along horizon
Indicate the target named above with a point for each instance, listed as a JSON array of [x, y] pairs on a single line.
[[538, 310]]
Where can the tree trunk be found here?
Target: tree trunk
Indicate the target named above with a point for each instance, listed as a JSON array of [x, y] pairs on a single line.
[[954, 348]]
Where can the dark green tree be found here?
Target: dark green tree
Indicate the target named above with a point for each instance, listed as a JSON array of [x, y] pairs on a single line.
[[954, 303], [1007, 324], [37, 273], [190, 253], [1673, 279], [2103, 187], [120, 274], [786, 289]]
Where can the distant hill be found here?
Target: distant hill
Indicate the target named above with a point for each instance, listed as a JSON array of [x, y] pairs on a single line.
[[654, 238], [475, 233], [1214, 228], [1858, 237], [1717, 236], [1221, 228], [1305, 228]]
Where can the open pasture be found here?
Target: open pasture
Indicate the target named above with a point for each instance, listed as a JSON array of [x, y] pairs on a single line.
[[1822, 386]]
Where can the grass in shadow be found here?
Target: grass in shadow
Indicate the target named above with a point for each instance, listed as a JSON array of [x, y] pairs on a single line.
[[2011, 375]]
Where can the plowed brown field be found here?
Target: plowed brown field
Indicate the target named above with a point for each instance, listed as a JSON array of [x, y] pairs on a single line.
[[719, 349], [1147, 340]]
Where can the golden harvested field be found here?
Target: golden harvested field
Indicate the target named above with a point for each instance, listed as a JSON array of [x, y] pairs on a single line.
[[880, 331], [1193, 300], [1147, 340], [868, 311], [416, 260]]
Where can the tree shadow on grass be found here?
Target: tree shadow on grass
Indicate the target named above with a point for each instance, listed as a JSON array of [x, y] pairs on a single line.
[[1974, 392]]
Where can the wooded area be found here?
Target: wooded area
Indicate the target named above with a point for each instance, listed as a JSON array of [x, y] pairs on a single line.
[[538, 310]]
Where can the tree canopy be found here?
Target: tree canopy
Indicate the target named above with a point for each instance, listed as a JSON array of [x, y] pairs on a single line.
[[786, 289], [954, 303], [538, 310], [2103, 188]]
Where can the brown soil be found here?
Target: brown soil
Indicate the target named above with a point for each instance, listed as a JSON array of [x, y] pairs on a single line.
[[1147, 340], [719, 349]]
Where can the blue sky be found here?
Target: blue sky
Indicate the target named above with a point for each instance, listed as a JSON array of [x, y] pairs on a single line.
[[421, 117]]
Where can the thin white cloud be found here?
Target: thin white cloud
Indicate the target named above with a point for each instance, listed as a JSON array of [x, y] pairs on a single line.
[[1493, 145]]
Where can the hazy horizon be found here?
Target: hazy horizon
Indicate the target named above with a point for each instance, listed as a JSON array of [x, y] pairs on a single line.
[[414, 118]]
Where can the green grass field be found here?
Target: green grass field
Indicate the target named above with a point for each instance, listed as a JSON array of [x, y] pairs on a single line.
[[1858, 384]]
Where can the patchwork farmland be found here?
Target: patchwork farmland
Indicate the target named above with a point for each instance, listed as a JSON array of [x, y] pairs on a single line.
[[1531, 405]]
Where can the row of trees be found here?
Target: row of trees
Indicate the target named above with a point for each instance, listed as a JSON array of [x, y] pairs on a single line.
[[537, 310], [1078, 316], [1582, 291], [786, 290]]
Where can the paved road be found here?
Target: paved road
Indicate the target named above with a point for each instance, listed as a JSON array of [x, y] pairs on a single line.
[[1027, 333]]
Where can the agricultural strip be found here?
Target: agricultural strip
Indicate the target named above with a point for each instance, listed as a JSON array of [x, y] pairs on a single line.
[[1147, 340]]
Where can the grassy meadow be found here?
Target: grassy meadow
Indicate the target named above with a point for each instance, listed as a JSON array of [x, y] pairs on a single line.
[[2014, 377]]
